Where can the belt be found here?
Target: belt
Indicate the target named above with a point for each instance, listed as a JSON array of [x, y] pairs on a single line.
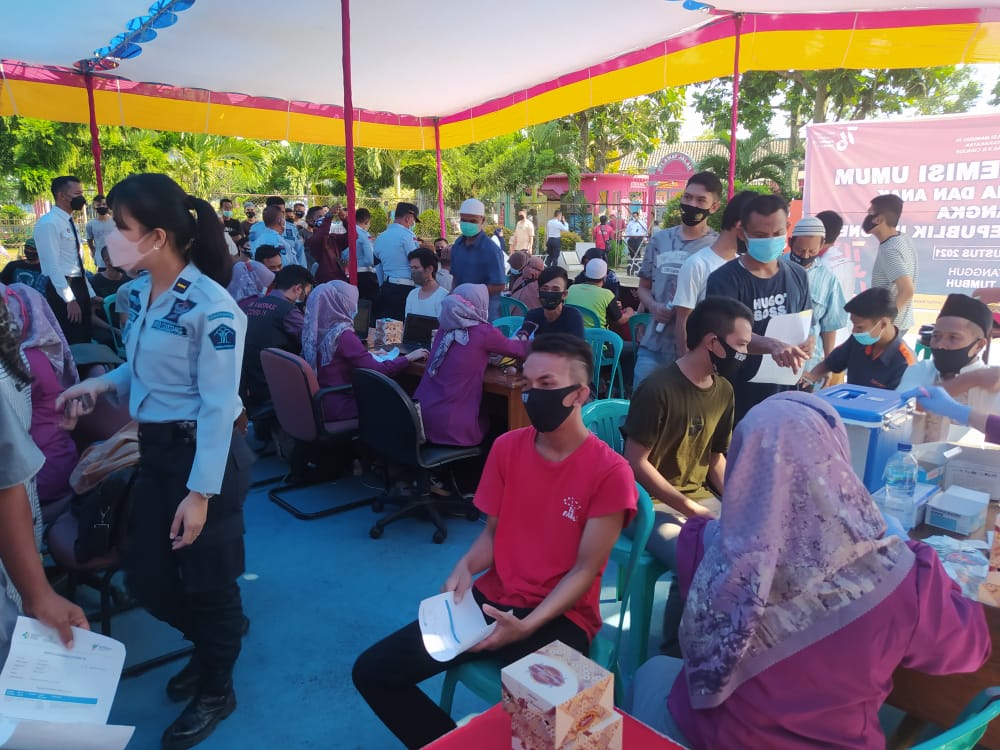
[[401, 282], [366, 269], [185, 431]]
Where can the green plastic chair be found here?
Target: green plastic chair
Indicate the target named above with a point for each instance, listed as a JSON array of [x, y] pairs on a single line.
[[482, 677], [590, 319], [605, 418], [607, 346], [116, 334], [509, 325], [637, 322], [511, 306], [970, 725]]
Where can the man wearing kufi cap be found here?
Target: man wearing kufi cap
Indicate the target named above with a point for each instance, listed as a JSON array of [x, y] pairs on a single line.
[[475, 258], [392, 249], [960, 334]]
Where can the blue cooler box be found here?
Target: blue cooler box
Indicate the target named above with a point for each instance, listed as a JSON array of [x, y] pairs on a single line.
[[876, 420]]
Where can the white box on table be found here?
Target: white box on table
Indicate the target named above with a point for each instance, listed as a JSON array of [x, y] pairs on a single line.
[[958, 509], [976, 469], [922, 493]]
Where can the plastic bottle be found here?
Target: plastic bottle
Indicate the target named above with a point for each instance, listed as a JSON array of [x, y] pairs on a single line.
[[900, 478]]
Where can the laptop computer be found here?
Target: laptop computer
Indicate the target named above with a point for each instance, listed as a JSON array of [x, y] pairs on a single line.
[[417, 330], [363, 320]]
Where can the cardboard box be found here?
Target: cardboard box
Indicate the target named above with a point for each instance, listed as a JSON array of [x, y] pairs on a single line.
[[553, 695], [958, 509], [922, 493], [933, 459], [605, 734], [388, 332], [976, 469]]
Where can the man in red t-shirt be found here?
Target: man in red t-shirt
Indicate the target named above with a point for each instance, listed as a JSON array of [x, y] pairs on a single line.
[[603, 234], [556, 498]]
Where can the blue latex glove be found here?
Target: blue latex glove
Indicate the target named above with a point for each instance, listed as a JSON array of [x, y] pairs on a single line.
[[936, 400]]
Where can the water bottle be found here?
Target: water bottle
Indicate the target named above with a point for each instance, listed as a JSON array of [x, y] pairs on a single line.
[[900, 479]]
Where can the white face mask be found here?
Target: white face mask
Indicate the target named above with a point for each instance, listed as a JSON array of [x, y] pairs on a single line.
[[125, 253]]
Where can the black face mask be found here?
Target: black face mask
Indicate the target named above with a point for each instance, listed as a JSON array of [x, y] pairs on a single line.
[[741, 246], [250, 214], [550, 300], [300, 214], [692, 216], [730, 365], [77, 203], [868, 224], [102, 210], [799, 260], [951, 361], [545, 407]]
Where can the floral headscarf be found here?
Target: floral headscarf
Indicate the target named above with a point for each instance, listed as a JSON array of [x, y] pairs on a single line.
[[250, 279], [466, 307], [40, 330], [330, 311]]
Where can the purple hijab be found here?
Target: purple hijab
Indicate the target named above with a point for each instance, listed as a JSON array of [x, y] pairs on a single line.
[[40, 330], [250, 279], [330, 311], [798, 553], [466, 307]]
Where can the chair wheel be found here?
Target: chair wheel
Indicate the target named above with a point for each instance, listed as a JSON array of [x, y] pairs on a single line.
[[377, 506], [376, 532], [439, 536], [472, 514]]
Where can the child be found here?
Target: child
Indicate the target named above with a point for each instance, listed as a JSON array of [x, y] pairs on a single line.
[[876, 354]]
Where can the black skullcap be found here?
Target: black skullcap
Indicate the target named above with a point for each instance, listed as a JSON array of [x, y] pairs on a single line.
[[973, 310]]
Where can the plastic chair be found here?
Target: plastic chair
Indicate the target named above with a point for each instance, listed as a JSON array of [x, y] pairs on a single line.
[[638, 324], [970, 725], [111, 317], [512, 307], [509, 325], [607, 346], [590, 319], [297, 400], [482, 676], [605, 418], [389, 425]]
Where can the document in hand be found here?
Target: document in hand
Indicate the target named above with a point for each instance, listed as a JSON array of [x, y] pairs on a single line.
[[450, 629], [789, 329], [56, 698]]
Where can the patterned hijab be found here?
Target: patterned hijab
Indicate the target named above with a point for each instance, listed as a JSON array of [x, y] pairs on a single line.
[[250, 279], [466, 307], [40, 330], [798, 553], [330, 311]]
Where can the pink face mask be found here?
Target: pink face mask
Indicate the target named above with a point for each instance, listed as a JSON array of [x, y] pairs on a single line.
[[125, 253]]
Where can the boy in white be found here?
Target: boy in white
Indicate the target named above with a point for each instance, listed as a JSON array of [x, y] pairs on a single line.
[[427, 295]]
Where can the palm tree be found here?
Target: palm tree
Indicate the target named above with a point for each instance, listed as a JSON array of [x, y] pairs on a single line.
[[755, 160], [309, 168], [209, 165]]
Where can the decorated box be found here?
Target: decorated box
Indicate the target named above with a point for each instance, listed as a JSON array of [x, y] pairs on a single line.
[[388, 332], [560, 700], [989, 591]]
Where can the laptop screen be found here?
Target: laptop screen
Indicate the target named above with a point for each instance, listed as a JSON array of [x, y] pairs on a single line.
[[417, 329], [362, 321]]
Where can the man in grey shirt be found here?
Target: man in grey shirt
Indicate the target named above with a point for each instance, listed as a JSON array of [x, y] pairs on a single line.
[[896, 265]]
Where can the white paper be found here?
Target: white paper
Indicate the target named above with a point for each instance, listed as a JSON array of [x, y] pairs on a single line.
[[42, 680], [391, 354], [448, 629], [788, 329], [44, 735]]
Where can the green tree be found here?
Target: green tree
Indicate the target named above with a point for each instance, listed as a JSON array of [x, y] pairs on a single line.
[[211, 165], [414, 169], [310, 169], [755, 160], [44, 150]]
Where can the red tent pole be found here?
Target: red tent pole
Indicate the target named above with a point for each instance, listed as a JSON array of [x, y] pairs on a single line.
[[352, 198], [738, 21], [440, 174], [95, 138]]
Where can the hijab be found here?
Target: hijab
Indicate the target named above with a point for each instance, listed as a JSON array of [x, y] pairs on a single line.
[[250, 279], [798, 552], [40, 330], [330, 311], [466, 307]]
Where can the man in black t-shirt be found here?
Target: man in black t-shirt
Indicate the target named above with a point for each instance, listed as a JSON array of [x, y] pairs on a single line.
[[27, 271], [769, 288], [231, 226], [553, 316]]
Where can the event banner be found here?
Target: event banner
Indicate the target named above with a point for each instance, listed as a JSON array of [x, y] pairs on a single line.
[[946, 170]]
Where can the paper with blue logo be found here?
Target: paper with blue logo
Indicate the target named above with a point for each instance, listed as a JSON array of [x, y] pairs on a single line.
[[50, 694], [449, 629]]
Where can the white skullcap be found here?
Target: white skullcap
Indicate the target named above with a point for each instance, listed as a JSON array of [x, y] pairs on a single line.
[[473, 207]]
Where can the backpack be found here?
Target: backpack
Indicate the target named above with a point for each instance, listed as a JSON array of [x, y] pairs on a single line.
[[102, 515]]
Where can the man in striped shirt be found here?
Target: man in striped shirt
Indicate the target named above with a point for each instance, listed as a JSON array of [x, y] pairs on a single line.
[[896, 264]]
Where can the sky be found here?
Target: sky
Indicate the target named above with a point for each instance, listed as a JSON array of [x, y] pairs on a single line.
[[692, 127]]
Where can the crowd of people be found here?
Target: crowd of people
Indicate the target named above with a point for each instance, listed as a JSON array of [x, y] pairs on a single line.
[[781, 556]]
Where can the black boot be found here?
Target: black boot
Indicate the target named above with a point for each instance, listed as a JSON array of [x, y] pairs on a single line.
[[199, 719], [184, 685]]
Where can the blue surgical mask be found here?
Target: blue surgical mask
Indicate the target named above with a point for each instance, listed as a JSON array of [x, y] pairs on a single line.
[[469, 228], [765, 249], [866, 338]]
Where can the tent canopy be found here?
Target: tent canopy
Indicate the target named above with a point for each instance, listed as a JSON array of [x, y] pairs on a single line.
[[482, 69]]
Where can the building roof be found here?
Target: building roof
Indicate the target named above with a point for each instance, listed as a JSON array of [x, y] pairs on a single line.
[[695, 150]]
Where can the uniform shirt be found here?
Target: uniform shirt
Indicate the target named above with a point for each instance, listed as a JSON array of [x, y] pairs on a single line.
[[896, 258], [593, 298], [828, 308], [392, 247], [365, 249], [542, 508], [693, 277], [59, 251], [293, 241], [185, 353], [97, 231], [635, 228], [682, 425], [268, 236], [864, 368], [661, 264], [429, 306], [554, 229]]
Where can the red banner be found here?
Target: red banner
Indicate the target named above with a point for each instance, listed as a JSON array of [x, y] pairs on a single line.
[[946, 170]]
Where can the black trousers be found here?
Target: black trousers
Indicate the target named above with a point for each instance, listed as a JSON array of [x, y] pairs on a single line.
[[633, 245], [368, 286], [193, 589], [76, 333], [552, 248], [387, 674], [391, 302]]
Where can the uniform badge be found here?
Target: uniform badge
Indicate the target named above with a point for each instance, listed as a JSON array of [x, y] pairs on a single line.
[[223, 337], [181, 286], [180, 307]]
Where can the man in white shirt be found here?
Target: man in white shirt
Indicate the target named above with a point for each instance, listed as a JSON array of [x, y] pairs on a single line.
[[69, 294], [98, 229], [553, 232], [635, 230], [428, 295], [524, 234]]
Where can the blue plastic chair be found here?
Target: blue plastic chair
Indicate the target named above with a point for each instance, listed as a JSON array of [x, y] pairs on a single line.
[[638, 324], [510, 324], [511, 306], [970, 725], [607, 346], [590, 319], [482, 676], [116, 333], [605, 418]]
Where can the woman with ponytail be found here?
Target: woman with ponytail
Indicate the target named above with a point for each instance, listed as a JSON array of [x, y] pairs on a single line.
[[184, 339]]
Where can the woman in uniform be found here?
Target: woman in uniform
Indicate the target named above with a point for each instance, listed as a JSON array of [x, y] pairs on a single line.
[[184, 339]]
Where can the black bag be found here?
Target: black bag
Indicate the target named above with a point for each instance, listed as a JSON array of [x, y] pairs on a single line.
[[102, 515]]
